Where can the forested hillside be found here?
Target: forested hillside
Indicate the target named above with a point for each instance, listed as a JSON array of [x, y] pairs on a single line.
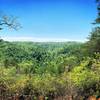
[[56, 71], [39, 57]]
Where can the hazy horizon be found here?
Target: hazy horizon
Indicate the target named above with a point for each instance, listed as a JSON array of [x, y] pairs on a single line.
[[33, 39]]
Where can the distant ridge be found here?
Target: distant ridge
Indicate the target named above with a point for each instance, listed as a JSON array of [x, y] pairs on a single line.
[[33, 39]]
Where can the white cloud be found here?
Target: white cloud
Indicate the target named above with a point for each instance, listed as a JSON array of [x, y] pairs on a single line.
[[35, 39]]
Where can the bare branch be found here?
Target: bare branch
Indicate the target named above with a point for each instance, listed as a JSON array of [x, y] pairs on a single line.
[[9, 21]]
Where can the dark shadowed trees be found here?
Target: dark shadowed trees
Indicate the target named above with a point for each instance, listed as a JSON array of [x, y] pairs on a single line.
[[97, 20], [94, 41]]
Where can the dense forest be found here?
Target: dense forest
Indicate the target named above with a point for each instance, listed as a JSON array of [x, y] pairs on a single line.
[[52, 70]]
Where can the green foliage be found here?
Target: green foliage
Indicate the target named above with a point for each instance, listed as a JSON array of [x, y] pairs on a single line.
[[94, 41], [49, 69]]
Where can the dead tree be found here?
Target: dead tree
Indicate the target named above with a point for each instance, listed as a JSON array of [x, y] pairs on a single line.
[[9, 21]]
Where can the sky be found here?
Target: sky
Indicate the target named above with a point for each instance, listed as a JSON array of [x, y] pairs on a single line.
[[50, 20]]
